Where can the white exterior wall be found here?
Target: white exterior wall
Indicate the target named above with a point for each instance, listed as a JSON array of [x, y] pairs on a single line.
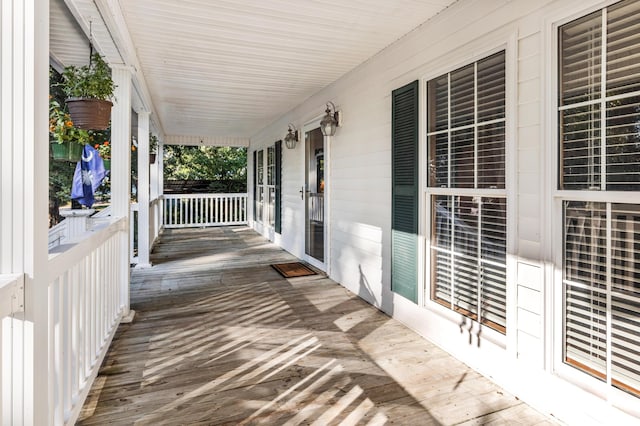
[[527, 361]]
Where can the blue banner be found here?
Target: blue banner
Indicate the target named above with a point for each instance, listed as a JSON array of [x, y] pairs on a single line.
[[88, 176]]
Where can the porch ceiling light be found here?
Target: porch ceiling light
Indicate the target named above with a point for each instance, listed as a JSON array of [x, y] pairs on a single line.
[[291, 139], [330, 121]]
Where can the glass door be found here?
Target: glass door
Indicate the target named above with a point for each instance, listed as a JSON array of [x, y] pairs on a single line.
[[314, 183]]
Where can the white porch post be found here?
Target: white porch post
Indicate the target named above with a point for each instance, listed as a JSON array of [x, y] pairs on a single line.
[[143, 190], [24, 182], [160, 162], [153, 191], [121, 169]]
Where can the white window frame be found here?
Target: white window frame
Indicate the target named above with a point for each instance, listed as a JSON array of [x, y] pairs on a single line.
[[508, 45], [260, 171], [555, 216], [270, 189]]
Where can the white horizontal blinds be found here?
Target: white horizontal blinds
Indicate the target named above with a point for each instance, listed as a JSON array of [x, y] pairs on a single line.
[[581, 143], [462, 158], [441, 249], [590, 283], [598, 116], [260, 194], [580, 90], [493, 268], [623, 145], [623, 79], [600, 150], [270, 188], [623, 48], [491, 160], [260, 162], [581, 60], [466, 138], [585, 284], [625, 297], [468, 252], [271, 165], [466, 272]]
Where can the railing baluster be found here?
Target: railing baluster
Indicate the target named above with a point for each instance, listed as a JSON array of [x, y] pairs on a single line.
[[195, 210]]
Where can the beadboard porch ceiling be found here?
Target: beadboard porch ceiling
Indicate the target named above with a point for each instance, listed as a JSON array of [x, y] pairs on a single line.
[[228, 68]]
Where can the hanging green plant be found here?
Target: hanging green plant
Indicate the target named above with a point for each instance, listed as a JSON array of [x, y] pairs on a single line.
[[89, 90], [153, 147]]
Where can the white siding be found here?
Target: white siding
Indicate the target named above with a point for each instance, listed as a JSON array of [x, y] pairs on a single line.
[[360, 191]]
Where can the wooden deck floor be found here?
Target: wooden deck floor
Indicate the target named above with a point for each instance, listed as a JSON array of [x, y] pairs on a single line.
[[220, 337]]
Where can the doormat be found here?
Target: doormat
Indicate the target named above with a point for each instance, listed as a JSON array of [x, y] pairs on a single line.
[[293, 269]]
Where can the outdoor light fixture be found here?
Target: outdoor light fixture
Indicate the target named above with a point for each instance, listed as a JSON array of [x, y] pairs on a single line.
[[291, 139], [330, 121]]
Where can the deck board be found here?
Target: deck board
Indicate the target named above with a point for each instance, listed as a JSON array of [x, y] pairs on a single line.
[[220, 337]]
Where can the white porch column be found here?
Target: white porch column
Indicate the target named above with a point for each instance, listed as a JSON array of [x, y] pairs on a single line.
[[121, 168], [143, 190], [24, 182], [160, 161]]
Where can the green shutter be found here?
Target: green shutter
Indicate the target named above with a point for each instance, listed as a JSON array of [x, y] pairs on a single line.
[[404, 193], [255, 182], [278, 206]]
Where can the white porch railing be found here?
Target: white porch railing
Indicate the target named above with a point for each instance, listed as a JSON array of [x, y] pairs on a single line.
[[57, 234], [195, 210], [86, 302], [316, 208]]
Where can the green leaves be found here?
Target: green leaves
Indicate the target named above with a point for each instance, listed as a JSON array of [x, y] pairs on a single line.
[[89, 81], [205, 163]]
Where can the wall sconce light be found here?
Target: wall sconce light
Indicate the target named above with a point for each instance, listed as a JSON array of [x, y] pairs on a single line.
[[330, 121], [291, 139]]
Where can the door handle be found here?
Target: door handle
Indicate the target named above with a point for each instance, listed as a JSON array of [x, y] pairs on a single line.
[[302, 193]]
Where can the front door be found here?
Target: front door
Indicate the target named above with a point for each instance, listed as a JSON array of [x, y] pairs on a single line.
[[314, 183]]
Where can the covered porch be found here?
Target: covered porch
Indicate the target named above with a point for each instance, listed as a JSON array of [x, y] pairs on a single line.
[[220, 337]]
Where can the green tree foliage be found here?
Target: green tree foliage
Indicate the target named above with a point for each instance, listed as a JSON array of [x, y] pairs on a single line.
[[205, 163]]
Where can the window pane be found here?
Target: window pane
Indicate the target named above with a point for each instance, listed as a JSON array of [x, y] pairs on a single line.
[[439, 160], [580, 149], [460, 268], [465, 247], [438, 93], [442, 214], [491, 159], [441, 249], [580, 59], [491, 87], [623, 144], [494, 260], [271, 163], [625, 281], [462, 96], [260, 168], [462, 158], [623, 48], [585, 286], [494, 229]]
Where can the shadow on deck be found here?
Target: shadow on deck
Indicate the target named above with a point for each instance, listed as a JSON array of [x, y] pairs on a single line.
[[221, 338]]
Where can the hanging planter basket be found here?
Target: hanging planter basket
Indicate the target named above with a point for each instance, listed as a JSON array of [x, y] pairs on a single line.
[[66, 151], [152, 158], [107, 164], [90, 114]]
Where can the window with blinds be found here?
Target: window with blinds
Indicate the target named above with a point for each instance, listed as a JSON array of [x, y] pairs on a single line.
[[599, 108], [270, 187], [466, 151], [602, 290], [599, 122], [260, 186]]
